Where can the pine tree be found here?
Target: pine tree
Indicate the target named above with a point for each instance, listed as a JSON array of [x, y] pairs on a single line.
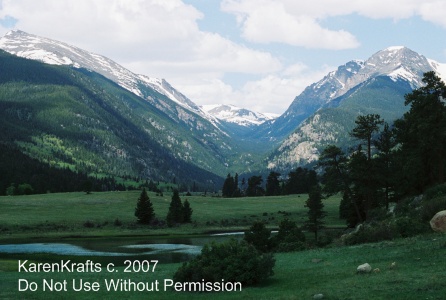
[[144, 208], [228, 186], [366, 126], [385, 143], [258, 235], [175, 213], [273, 184], [421, 134], [254, 187], [315, 212], [187, 212]]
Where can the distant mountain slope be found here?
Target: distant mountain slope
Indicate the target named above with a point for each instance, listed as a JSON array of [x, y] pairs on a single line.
[[237, 115], [175, 105], [78, 119], [58, 53], [89, 113], [394, 62], [325, 112]]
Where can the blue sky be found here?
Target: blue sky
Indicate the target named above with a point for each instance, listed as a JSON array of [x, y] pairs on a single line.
[[257, 54]]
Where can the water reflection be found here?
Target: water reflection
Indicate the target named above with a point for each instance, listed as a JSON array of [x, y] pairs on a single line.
[[166, 250]]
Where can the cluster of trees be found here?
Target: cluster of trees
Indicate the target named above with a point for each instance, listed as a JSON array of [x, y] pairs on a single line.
[[23, 175], [178, 212], [399, 160], [297, 182]]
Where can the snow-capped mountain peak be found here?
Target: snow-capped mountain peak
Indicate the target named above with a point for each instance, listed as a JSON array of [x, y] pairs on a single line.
[[237, 115], [58, 53]]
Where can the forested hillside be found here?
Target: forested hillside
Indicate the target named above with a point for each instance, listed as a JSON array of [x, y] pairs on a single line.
[[77, 119]]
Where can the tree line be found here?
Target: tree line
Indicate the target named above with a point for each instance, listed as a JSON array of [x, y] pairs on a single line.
[[299, 181], [393, 161]]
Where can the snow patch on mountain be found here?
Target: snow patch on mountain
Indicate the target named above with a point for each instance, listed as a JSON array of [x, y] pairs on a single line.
[[439, 68]]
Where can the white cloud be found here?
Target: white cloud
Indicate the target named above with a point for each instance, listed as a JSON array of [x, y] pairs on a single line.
[[137, 32], [434, 12], [275, 92], [272, 21], [272, 93], [298, 23]]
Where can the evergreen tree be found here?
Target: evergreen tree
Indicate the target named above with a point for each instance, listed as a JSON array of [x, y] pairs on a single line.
[[187, 212], [366, 126], [336, 178], [144, 209], [243, 184], [422, 136], [365, 173], [258, 235], [228, 187], [385, 164], [236, 192], [315, 211], [273, 184], [175, 213], [254, 187], [300, 181]]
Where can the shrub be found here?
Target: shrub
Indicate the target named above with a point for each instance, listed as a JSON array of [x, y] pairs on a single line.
[[408, 207], [435, 191], [289, 238], [89, 224], [258, 235], [407, 226], [430, 207], [117, 222], [385, 230], [233, 261]]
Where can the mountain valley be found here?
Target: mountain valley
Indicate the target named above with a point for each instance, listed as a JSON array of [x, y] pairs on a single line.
[[74, 109]]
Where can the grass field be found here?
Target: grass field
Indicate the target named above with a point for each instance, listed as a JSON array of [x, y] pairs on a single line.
[[58, 214], [418, 274]]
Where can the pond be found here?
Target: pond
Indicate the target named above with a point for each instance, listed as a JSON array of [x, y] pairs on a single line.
[[165, 250]]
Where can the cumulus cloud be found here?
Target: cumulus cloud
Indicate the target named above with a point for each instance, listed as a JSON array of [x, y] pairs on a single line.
[[273, 21], [271, 93], [298, 23], [137, 31]]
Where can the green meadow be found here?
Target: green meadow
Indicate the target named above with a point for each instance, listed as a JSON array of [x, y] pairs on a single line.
[[112, 213], [417, 271]]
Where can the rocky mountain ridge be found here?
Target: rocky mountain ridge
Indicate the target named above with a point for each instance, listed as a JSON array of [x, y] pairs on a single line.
[[237, 138], [325, 111]]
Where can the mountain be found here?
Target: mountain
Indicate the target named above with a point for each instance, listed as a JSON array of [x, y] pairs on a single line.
[[176, 105], [77, 119], [110, 121], [394, 62], [324, 113], [54, 52], [79, 110], [237, 115]]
